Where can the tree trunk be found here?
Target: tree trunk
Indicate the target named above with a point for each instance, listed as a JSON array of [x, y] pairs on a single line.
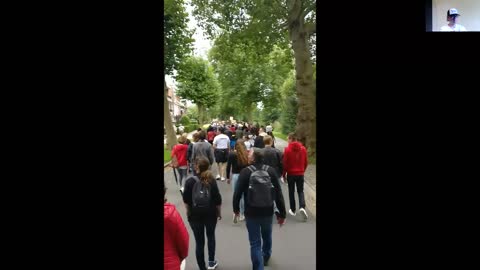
[[306, 117], [167, 118]]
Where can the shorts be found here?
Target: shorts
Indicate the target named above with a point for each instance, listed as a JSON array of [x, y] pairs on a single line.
[[221, 155]]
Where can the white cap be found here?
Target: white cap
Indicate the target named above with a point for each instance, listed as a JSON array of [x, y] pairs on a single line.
[[452, 11]]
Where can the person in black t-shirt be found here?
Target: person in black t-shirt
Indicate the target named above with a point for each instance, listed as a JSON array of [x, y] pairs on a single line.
[[206, 219]]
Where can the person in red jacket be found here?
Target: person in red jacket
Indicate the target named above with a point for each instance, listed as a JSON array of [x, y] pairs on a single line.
[[175, 235], [294, 165], [210, 135], [179, 151]]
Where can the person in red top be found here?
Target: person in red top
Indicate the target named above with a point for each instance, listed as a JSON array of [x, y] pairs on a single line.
[[294, 165], [211, 135], [180, 152], [175, 235]]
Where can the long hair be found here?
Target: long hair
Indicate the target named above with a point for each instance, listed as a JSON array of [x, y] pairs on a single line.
[[195, 137], [206, 176], [242, 155]]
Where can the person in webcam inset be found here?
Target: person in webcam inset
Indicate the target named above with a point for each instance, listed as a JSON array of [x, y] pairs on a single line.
[[453, 26]]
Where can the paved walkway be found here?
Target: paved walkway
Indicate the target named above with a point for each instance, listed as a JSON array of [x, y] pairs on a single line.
[[293, 244]]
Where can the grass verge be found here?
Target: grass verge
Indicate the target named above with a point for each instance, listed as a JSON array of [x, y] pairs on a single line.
[[166, 155]]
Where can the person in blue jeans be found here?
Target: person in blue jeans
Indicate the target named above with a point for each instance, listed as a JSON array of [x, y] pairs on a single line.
[[259, 220], [237, 160]]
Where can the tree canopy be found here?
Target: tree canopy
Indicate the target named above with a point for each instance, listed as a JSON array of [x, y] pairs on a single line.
[[259, 26], [197, 82], [177, 44], [177, 37]]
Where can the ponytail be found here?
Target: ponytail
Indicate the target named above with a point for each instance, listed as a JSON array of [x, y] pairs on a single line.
[[206, 177]]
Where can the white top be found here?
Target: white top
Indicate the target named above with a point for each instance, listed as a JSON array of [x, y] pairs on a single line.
[[248, 145], [221, 141], [456, 28]]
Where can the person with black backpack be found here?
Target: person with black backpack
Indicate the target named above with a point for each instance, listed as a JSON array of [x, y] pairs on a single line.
[[203, 202], [260, 185]]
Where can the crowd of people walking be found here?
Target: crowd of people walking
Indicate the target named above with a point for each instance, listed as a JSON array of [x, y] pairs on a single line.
[[247, 160]]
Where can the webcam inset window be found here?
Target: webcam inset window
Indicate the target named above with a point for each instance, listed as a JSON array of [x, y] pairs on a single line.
[[453, 16]]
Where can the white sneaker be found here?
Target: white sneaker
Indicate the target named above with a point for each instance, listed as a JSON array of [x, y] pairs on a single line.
[[223, 179], [304, 214], [181, 189], [218, 177], [235, 218], [242, 217], [291, 212]]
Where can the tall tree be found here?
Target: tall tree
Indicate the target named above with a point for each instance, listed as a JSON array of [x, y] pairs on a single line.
[[289, 104], [265, 23], [177, 44], [197, 82], [248, 77], [278, 67]]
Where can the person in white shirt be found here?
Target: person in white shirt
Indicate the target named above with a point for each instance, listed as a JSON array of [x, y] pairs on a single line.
[[269, 128], [453, 26], [221, 144]]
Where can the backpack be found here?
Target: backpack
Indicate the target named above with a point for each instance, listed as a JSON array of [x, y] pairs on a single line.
[[260, 188], [201, 196]]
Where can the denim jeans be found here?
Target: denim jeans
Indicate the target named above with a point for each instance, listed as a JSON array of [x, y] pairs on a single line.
[[182, 173], [198, 229], [259, 228], [298, 181], [190, 167], [234, 185]]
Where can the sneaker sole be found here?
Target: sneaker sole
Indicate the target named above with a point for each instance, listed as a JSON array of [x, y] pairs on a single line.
[[304, 215], [212, 267]]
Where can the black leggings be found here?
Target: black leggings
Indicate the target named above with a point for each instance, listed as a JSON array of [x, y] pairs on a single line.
[[296, 180], [199, 229]]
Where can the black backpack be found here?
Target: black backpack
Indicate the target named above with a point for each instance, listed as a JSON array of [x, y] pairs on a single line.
[[201, 196], [260, 187]]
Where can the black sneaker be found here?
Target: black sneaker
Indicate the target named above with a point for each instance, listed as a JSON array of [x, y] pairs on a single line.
[[212, 265]]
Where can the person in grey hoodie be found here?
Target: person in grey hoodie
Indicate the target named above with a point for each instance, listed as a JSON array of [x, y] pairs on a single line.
[[202, 149]]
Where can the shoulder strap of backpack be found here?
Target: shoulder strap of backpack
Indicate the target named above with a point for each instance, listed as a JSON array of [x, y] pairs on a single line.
[[252, 168], [265, 167]]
